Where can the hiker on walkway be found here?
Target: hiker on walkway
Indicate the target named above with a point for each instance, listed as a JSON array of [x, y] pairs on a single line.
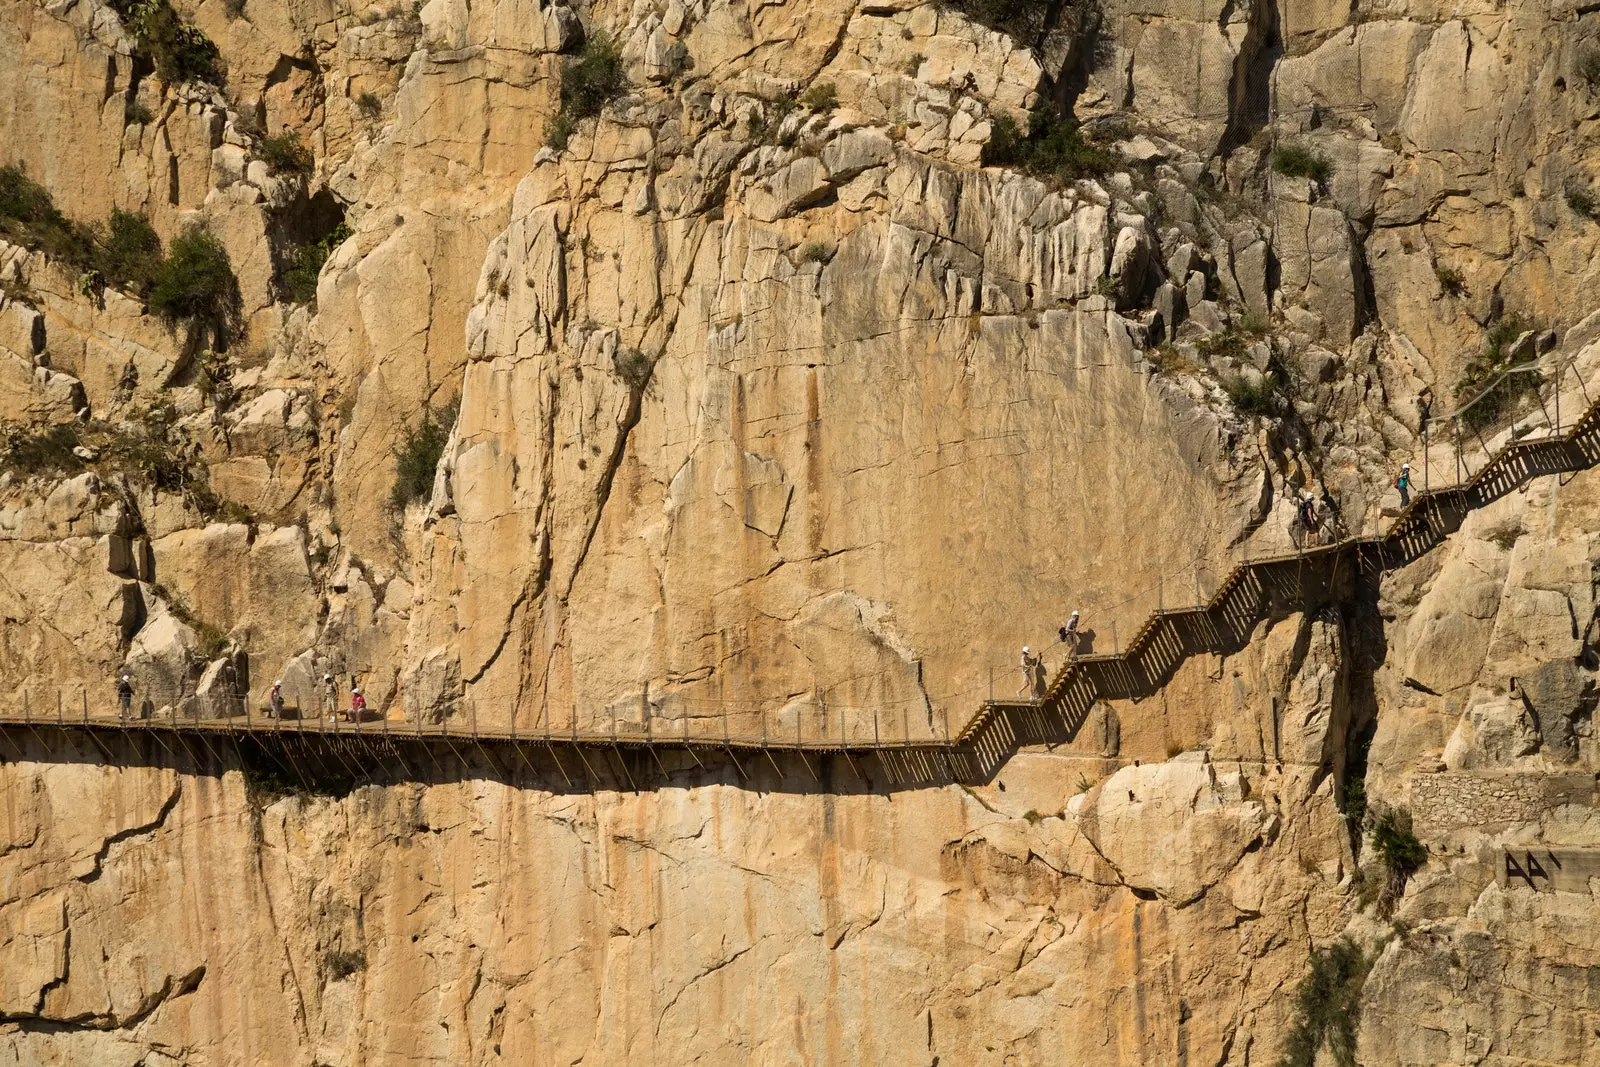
[[1069, 636], [358, 704], [1304, 528], [330, 694], [1329, 518], [1029, 662], [124, 696], [275, 700], [1403, 483]]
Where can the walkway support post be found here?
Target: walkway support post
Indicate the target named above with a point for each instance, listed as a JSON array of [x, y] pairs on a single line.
[[1458, 449]]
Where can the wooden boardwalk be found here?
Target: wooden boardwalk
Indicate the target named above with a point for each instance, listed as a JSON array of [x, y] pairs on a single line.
[[315, 750]]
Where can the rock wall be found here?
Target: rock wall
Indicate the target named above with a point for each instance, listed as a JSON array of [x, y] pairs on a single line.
[[766, 401]]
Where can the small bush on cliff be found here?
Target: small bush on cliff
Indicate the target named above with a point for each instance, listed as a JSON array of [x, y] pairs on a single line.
[[1396, 845], [633, 367], [823, 96], [1250, 397], [1328, 1007], [342, 963], [130, 251], [1589, 66], [1582, 202], [1451, 281], [195, 285], [1053, 147], [123, 251], [1032, 22], [29, 217], [26, 451], [179, 51], [1301, 161], [418, 458], [297, 281], [590, 80], [286, 154], [1482, 386]]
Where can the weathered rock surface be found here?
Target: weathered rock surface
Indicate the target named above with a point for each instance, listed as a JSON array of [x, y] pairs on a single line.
[[761, 412]]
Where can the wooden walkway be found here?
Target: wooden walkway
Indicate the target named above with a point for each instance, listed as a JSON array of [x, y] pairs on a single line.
[[301, 753]]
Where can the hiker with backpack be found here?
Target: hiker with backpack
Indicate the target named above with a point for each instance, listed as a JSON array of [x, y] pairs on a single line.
[[1403, 483]]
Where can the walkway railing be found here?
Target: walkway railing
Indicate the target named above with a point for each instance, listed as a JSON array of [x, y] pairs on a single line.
[[908, 743]]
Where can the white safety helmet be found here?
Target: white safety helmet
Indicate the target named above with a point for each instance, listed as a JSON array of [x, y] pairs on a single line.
[[1074, 614], [355, 689], [1405, 466], [127, 677], [278, 684], [1026, 649]]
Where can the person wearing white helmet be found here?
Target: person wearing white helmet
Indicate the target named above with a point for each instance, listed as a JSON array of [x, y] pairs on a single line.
[[124, 695], [1069, 635], [275, 700], [358, 704], [1403, 483], [1030, 669], [330, 694]]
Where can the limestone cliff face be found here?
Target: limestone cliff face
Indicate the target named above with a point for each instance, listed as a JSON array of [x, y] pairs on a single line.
[[787, 413]]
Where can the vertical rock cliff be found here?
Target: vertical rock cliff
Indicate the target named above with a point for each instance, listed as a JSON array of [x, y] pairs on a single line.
[[787, 367]]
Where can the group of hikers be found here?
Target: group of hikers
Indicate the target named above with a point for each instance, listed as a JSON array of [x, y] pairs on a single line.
[[1033, 664], [1316, 520], [356, 712]]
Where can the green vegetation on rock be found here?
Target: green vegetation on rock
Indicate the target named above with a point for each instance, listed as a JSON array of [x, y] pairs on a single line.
[[1052, 147], [179, 51], [419, 457]]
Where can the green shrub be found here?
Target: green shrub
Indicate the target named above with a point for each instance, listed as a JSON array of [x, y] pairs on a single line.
[[588, 81], [1022, 20], [560, 132], [592, 78], [823, 96], [179, 51], [342, 964], [1252, 398], [297, 281], [767, 127], [1482, 386], [130, 251], [1451, 281], [286, 153], [1053, 147], [1230, 343], [1589, 66], [25, 451], [633, 367], [1328, 1007], [418, 459], [195, 285], [1582, 202], [1301, 161], [1396, 845], [815, 252], [369, 105], [136, 114], [29, 217]]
